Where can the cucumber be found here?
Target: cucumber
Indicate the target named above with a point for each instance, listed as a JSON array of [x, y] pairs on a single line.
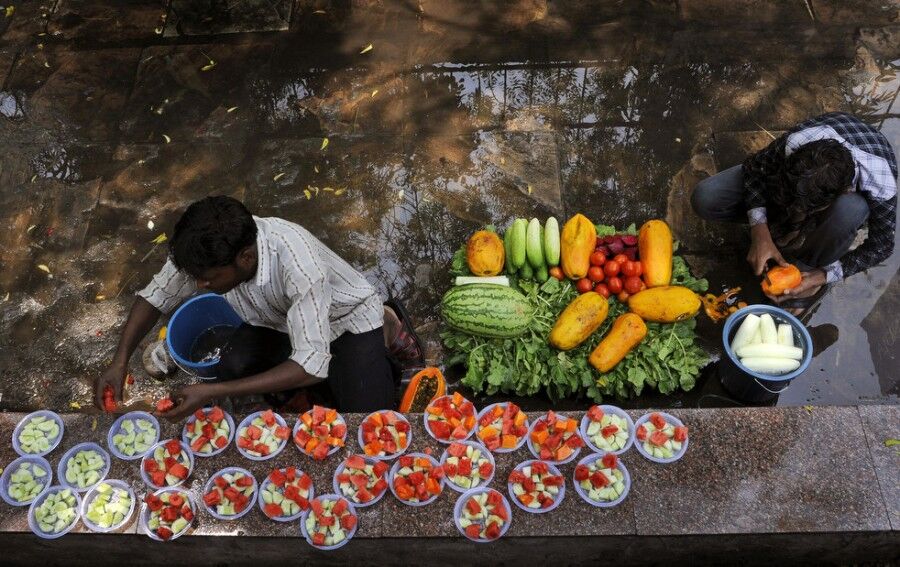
[[551, 241], [745, 332], [517, 242], [507, 249], [534, 249], [772, 366], [767, 329], [525, 272], [785, 335], [498, 280], [541, 274], [769, 351]]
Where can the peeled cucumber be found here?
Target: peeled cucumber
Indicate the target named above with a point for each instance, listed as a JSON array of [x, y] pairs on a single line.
[[770, 365], [757, 337], [785, 335], [497, 280], [769, 351], [767, 329], [517, 243], [534, 248], [551, 241], [745, 332]]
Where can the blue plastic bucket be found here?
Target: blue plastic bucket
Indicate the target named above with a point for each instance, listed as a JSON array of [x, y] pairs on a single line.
[[196, 316], [750, 386]]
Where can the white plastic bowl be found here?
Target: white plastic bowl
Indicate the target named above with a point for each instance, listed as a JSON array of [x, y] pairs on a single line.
[[614, 410], [149, 455], [461, 502], [485, 452], [32, 520], [61, 468], [21, 425], [537, 454], [332, 450], [350, 534], [211, 482], [231, 432], [145, 513], [245, 423], [337, 486], [393, 473], [92, 494], [627, 481], [556, 502], [262, 504], [13, 467], [388, 457], [670, 419], [116, 428], [448, 441], [501, 449]]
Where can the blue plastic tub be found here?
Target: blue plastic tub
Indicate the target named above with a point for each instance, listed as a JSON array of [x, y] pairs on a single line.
[[196, 316], [750, 386]]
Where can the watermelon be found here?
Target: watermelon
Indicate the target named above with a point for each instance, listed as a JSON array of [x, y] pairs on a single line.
[[207, 431], [384, 434], [331, 523], [662, 439], [487, 310], [450, 417], [263, 435], [484, 515], [286, 493], [167, 464], [171, 513], [417, 479], [600, 479], [502, 427], [555, 438], [467, 465]]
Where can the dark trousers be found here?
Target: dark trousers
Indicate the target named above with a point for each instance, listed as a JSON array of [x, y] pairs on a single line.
[[360, 375], [721, 198]]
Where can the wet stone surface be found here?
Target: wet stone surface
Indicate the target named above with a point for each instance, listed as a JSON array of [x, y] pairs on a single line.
[[880, 425], [193, 17], [107, 21]]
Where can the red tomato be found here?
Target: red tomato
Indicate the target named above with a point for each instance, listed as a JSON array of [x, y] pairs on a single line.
[[614, 284], [557, 273], [584, 285], [602, 290], [632, 284], [595, 274], [598, 258], [630, 268], [623, 296], [640, 268], [611, 268], [620, 258]]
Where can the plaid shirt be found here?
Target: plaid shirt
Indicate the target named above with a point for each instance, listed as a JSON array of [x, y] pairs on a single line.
[[876, 181]]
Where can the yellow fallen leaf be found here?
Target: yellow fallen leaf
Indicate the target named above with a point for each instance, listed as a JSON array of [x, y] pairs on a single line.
[[891, 442], [278, 176], [209, 66], [316, 168], [529, 189], [94, 424], [375, 92], [6, 297], [232, 109], [160, 239], [339, 191], [308, 194], [808, 409], [74, 405], [367, 49], [44, 268], [502, 160], [99, 297], [33, 177], [328, 189], [166, 138], [30, 228], [319, 12], [9, 11], [324, 143]]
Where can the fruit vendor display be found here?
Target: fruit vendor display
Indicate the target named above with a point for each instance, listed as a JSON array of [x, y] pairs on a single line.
[[450, 418], [537, 486], [286, 493], [482, 514], [230, 493], [487, 310], [330, 521], [416, 479], [262, 435], [320, 432], [605, 431], [56, 513], [660, 437], [207, 431], [502, 427], [134, 435], [108, 506], [467, 465], [167, 464], [555, 438], [27, 480], [38, 433], [170, 513], [384, 434], [425, 386], [361, 480], [600, 479], [84, 466]]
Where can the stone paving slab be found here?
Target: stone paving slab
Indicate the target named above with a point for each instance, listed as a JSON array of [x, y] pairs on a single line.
[[849, 12], [107, 21], [189, 17], [882, 423]]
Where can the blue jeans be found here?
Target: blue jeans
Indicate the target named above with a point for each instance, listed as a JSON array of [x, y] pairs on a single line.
[[720, 198]]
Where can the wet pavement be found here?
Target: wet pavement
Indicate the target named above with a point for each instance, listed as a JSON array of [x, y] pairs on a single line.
[[114, 118]]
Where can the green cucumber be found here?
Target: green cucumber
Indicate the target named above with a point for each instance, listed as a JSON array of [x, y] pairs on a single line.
[[541, 274], [551, 242], [507, 250], [526, 272], [517, 242], [533, 248]]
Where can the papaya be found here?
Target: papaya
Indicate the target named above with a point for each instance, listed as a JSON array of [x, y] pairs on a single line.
[[627, 332], [485, 253], [577, 241], [780, 279], [664, 304], [655, 251], [579, 320], [427, 385]]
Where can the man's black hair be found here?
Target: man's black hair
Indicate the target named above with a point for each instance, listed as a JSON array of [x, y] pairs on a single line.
[[210, 233], [817, 173]]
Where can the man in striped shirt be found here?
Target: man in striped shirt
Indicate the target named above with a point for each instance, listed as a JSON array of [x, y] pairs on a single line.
[[310, 319]]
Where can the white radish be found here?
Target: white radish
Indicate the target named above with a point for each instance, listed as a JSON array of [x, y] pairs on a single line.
[[745, 332], [757, 337], [768, 330], [785, 335], [769, 351], [773, 366]]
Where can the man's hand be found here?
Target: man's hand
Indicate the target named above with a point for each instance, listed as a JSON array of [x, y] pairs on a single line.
[[762, 249], [809, 285], [188, 400], [113, 376]]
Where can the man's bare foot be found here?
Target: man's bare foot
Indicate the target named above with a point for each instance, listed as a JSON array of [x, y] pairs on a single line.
[[392, 326]]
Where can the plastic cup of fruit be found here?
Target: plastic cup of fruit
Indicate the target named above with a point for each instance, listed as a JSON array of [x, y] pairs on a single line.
[[262, 503], [145, 513], [211, 483], [24, 421], [612, 410], [670, 419], [116, 428], [551, 469], [349, 535], [63, 462], [389, 456], [333, 450], [450, 439], [246, 423], [461, 502], [337, 486], [93, 493], [216, 450], [537, 453], [32, 519], [149, 454], [393, 473], [501, 449], [484, 453], [13, 467], [602, 503]]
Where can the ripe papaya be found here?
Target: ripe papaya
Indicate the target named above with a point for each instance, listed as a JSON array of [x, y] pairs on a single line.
[[665, 304], [577, 241], [485, 253], [780, 279], [627, 332], [655, 251], [579, 320]]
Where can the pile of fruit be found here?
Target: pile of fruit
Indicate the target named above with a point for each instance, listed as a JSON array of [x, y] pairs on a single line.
[[502, 426], [286, 493], [25, 482], [135, 436], [360, 480], [319, 432], [416, 479], [659, 438], [58, 511], [170, 513], [266, 435], [467, 465], [331, 520], [168, 464], [600, 478], [484, 515], [38, 435], [230, 493], [207, 431], [83, 468], [535, 486], [108, 506], [555, 438], [384, 434], [450, 418], [607, 432]]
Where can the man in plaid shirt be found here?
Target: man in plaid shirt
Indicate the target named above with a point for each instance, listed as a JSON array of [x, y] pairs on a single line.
[[806, 195]]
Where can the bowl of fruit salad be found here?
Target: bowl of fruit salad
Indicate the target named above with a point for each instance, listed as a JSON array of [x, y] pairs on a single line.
[[607, 429], [361, 480], [320, 432], [168, 513], [132, 435], [83, 466], [502, 427], [450, 418], [108, 506], [416, 479], [262, 435], [169, 463], [661, 437], [602, 480], [38, 433], [25, 479], [285, 494], [384, 434], [330, 522], [467, 465], [229, 493], [482, 514], [554, 438], [54, 513], [208, 432], [536, 486]]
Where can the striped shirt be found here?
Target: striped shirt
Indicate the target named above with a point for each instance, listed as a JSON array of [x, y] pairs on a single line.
[[301, 288]]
